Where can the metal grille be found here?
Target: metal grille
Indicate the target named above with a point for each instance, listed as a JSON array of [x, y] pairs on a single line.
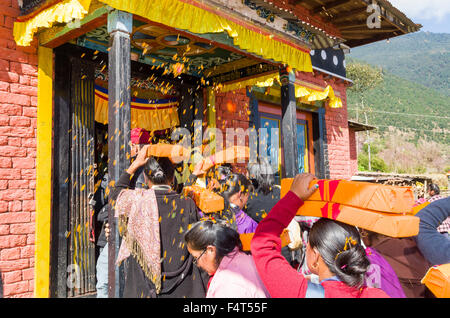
[[81, 251]]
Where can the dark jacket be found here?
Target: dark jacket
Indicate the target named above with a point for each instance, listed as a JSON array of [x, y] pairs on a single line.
[[101, 211], [182, 278], [407, 262], [260, 204], [137, 181]]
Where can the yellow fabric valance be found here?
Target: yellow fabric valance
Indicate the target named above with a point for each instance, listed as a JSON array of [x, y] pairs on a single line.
[[156, 114], [260, 81], [328, 93], [189, 16], [304, 94], [61, 12]]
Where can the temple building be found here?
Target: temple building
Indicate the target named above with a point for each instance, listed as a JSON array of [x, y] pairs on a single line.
[[76, 76]]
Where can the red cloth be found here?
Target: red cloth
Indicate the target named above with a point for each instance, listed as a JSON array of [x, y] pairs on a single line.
[[280, 278], [139, 136]]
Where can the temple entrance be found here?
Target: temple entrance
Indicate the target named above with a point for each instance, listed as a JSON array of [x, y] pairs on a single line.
[[159, 104], [174, 79]]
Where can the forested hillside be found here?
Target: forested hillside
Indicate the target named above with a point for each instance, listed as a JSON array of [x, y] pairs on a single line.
[[421, 57], [402, 87], [405, 105]]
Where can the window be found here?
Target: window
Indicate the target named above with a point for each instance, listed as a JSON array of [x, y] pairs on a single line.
[[302, 144], [270, 144]]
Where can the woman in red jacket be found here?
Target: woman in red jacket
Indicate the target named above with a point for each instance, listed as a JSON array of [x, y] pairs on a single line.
[[334, 253]]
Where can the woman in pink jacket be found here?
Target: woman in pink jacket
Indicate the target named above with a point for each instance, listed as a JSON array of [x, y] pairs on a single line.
[[217, 249]]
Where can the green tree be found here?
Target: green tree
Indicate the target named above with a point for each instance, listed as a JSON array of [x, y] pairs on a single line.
[[365, 78]]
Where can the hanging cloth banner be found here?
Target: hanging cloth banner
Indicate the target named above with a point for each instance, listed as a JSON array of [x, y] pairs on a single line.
[[60, 12], [301, 92], [310, 95], [150, 114], [195, 17], [266, 80]]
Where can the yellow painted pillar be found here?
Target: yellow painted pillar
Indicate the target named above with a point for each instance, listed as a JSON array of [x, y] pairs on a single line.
[[211, 114], [43, 172]]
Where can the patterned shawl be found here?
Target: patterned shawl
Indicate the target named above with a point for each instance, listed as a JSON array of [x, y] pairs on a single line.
[[138, 215]]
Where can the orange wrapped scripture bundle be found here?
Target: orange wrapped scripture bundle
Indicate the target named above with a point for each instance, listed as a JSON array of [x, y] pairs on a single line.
[[234, 154], [364, 195], [175, 153], [437, 279], [206, 200], [246, 239], [395, 223]]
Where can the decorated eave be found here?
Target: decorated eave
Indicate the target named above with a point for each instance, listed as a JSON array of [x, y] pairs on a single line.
[[350, 18], [269, 14]]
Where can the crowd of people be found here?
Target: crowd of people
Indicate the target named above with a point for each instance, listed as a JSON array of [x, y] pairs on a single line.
[[169, 248]]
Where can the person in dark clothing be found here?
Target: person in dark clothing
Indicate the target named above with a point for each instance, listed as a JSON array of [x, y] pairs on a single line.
[[405, 259], [235, 190], [265, 194], [177, 276]]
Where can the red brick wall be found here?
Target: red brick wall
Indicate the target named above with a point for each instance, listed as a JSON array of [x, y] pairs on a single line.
[[18, 101], [338, 140], [336, 120], [232, 110]]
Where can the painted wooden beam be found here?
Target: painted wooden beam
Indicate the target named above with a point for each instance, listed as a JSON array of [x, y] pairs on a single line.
[[329, 6], [56, 36], [43, 173], [347, 14]]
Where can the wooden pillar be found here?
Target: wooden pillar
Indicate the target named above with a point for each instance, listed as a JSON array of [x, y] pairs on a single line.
[[254, 125], [321, 162], [119, 117], [323, 144], [289, 124]]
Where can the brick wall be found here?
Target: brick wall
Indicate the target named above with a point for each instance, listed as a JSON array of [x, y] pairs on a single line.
[[232, 111], [336, 120], [18, 101]]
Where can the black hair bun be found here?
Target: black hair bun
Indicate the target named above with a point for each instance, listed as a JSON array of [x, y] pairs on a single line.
[[351, 266]]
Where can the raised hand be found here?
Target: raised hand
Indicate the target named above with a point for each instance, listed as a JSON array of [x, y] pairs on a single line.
[[300, 185]]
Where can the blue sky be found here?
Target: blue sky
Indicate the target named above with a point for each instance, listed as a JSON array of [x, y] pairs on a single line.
[[434, 15]]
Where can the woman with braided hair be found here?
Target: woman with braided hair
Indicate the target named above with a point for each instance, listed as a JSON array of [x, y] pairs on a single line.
[[334, 253]]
